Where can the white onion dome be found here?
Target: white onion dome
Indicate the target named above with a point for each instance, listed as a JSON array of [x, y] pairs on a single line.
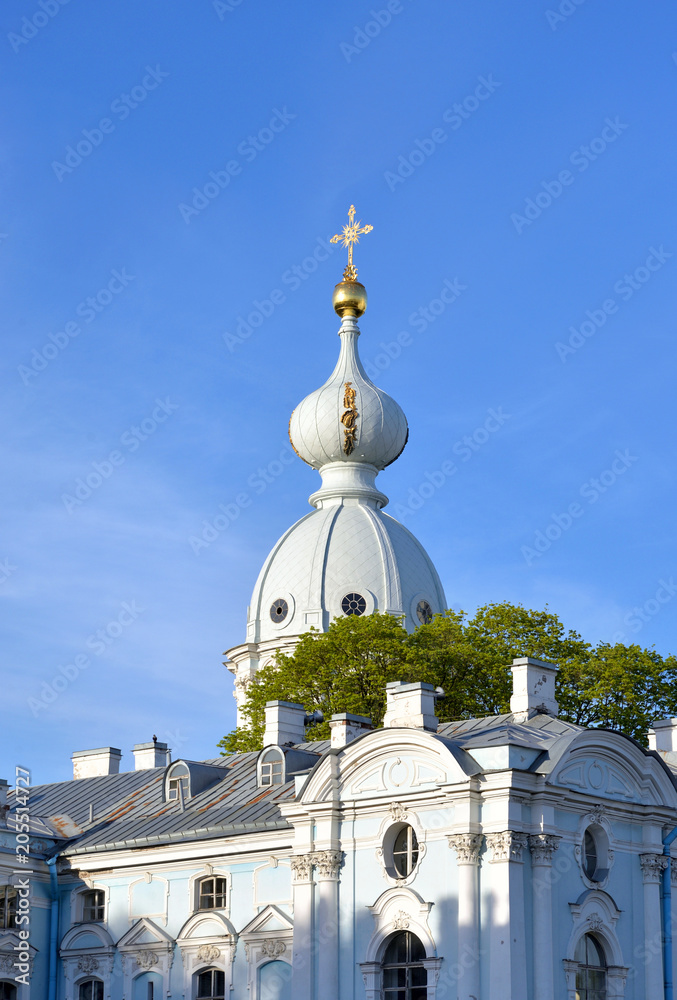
[[348, 420]]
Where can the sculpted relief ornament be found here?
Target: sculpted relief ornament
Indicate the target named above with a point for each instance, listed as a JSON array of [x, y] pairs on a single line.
[[542, 847], [301, 866], [87, 964], [146, 959], [467, 847], [653, 866], [208, 953], [506, 846], [273, 948]]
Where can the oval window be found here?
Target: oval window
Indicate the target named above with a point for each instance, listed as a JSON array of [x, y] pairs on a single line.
[[353, 604], [405, 852]]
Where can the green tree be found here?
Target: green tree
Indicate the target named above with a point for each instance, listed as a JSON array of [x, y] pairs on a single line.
[[346, 670]]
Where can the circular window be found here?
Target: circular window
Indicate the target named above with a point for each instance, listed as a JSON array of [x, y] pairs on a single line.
[[405, 852], [353, 604], [424, 612], [279, 610], [590, 864]]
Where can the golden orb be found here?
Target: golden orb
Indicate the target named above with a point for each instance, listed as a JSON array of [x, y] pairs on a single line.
[[349, 298]]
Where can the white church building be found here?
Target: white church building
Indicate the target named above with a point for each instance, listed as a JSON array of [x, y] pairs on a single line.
[[515, 857]]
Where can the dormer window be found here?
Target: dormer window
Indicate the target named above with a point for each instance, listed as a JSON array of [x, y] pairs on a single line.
[[271, 767], [177, 783], [93, 905]]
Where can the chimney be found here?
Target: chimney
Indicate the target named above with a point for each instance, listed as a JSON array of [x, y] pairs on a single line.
[[663, 735], [284, 723], [533, 686], [94, 763], [346, 727], [151, 755], [410, 706]]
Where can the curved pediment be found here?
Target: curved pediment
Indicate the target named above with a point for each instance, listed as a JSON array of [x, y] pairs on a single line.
[[86, 936], [388, 762], [611, 766], [205, 924]]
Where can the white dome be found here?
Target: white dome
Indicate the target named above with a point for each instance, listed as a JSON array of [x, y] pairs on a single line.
[[348, 419], [336, 551]]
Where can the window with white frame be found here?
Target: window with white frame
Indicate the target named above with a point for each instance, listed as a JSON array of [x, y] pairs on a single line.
[[213, 893], [7, 907], [595, 854], [93, 905], [591, 976], [405, 852], [91, 989], [178, 784], [271, 767], [210, 985], [404, 974]]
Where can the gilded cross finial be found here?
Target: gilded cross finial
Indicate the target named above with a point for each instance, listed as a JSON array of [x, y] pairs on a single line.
[[350, 235]]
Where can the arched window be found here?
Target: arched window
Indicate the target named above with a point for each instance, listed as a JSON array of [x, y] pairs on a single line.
[[178, 783], [91, 989], [93, 905], [271, 767], [213, 893], [7, 991], [211, 985], [591, 973], [404, 975]]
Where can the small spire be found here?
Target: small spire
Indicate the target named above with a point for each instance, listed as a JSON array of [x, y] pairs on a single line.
[[351, 235]]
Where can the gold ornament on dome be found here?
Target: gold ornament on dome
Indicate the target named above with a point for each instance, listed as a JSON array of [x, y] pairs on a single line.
[[349, 419], [351, 235]]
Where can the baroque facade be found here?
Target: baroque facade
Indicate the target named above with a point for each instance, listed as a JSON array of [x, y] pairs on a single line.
[[515, 857]]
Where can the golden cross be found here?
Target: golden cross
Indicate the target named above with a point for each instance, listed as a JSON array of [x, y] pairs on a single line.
[[350, 235]]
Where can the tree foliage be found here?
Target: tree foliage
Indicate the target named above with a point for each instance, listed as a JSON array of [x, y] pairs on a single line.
[[346, 669]]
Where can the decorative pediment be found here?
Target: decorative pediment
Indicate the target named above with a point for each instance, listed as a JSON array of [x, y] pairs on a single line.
[[86, 937], [386, 762], [11, 946], [610, 766], [205, 924], [396, 910], [145, 933], [269, 920]]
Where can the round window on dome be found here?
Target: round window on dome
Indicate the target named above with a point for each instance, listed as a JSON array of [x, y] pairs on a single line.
[[279, 610], [353, 604], [424, 612]]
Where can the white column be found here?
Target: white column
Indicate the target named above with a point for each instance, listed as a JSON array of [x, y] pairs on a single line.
[[542, 847], [507, 950], [652, 868], [468, 847], [302, 954], [327, 867]]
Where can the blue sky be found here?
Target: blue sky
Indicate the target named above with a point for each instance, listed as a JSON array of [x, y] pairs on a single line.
[[181, 167]]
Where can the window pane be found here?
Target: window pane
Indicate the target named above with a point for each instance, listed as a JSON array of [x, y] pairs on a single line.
[[590, 849]]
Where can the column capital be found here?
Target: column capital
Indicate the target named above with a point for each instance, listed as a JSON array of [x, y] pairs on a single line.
[[653, 866], [542, 847], [506, 846], [467, 847], [327, 863], [302, 867]]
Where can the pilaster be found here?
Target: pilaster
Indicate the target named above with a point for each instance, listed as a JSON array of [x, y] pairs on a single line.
[[542, 847], [507, 957], [652, 868], [468, 847]]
